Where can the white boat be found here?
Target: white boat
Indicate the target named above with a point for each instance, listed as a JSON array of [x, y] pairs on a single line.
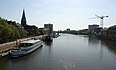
[[25, 47]]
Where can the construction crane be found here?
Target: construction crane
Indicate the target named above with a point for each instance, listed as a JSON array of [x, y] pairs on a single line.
[[101, 18]]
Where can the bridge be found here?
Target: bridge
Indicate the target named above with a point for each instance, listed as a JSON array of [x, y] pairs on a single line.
[[68, 32]]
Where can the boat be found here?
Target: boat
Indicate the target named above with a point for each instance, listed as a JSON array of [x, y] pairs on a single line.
[[25, 47], [47, 38]]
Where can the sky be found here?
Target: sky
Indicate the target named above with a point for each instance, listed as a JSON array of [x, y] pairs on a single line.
[[63, 14]]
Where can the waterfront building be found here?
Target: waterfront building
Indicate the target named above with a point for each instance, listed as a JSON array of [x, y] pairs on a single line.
[[109, 32], [17, 25], [112, 31], [97, 30], [49, 28], [23, 20], [31, 29], [104, 32], [92, 28]]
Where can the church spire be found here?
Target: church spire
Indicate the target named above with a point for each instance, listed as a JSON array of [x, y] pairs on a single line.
[[23, 20]]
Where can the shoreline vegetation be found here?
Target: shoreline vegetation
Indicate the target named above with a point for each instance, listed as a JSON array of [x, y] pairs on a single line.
[[11, 31]]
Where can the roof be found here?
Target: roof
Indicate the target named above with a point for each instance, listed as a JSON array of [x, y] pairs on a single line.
[[112, 27], [31, 41]]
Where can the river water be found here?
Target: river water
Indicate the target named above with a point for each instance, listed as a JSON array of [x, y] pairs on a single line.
[[67, 52]]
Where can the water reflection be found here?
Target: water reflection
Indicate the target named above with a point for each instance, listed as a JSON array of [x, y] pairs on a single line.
[[17, 63], [111, 45], [67, 52], [97, 45], [48, 43], [3, 63], [102, 43], [93, 41]]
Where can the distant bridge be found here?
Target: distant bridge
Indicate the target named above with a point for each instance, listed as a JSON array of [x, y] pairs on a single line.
[[68, 32]]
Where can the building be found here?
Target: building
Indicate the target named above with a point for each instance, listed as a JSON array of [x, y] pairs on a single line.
[[23, 19], [49, 28], [104, 32], [97, 30], [92, 28], [31, 29], [17, 25], [112, 31], [68, 29]]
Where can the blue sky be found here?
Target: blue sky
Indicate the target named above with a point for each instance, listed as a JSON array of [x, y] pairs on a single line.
[[62, 14]]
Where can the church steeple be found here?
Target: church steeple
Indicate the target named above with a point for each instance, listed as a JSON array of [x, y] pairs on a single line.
[[23, 20]]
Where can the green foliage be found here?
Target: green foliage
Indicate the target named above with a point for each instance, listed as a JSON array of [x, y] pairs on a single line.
[[5, 31], [34, 32], [22, 32], [42, 32], [9, 32]]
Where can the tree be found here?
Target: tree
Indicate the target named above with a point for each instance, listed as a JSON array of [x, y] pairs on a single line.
[[22, 32], [9, 32]]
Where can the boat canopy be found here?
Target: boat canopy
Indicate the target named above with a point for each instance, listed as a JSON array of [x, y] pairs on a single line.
[[28, 43], [31, 41]]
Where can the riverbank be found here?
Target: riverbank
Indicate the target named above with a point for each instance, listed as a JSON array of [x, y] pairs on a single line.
[[5, 47]]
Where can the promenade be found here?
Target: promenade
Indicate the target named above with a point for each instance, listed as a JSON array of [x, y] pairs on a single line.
[[5, 47]]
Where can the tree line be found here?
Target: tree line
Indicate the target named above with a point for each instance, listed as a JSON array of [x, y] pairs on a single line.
[[10, 33]]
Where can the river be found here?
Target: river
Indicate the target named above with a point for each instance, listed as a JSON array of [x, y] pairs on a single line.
[[67, 52]]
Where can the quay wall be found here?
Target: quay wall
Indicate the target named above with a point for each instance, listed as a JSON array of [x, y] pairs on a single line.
[[6, 47]]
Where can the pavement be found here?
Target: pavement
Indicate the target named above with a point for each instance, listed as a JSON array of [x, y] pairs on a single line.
[[9, 45]]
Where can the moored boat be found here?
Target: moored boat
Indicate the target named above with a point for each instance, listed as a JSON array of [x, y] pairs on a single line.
[[25, 47], [47, 38]]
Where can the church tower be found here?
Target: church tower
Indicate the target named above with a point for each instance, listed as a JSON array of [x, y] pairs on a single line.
[[23, 20]]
